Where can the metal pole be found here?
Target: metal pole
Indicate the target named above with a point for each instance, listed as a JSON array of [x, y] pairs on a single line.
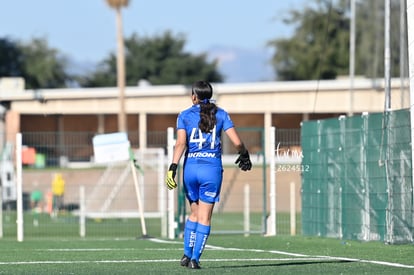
[[403, 48], [139, 199], [19, 187], [170, 194], [1, 211], [82, 214], [162, 204], [410, 28], [271, 224], [246, 212], [387, 57], [292, 208], [352, 60], [122, 124]]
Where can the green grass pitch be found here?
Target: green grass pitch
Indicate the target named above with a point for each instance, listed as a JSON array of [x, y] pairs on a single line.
[[116, 247], [232, 254]]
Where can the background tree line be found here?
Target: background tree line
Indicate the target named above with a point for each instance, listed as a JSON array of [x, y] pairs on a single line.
[[317, 49], [160, 60]]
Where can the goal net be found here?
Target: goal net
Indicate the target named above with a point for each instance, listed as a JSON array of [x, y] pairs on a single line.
[[100, 200], [126, 190]]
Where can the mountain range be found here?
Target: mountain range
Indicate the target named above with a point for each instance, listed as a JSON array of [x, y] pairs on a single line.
[[243, 65]]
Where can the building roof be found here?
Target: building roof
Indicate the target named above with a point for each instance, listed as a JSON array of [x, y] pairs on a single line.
[[279, 96]]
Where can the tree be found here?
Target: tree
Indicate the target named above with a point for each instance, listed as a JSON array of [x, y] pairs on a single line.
[[161, 60], [40, 65], [369, 60], [10, 58], [319, 47], [117, 5], [43, 67]]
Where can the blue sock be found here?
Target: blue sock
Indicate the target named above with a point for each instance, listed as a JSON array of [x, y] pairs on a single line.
[[202, 233], [189, 237]]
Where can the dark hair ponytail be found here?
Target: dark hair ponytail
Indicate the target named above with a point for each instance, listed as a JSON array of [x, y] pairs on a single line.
[[207, 117], [208, 110]]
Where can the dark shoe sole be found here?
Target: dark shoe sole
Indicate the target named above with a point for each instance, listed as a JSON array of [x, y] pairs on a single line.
[[193, 265], [185, 260]]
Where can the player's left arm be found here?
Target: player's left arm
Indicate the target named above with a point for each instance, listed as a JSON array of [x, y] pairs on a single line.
[[243, 161]]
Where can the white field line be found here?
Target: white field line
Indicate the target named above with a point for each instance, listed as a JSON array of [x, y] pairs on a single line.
[[295, 256], [302, 256], [158, 261]]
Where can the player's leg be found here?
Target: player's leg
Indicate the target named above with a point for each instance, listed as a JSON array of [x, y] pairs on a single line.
[[191, 191], [35, 212], [55, 205], [210, 177], [202, 232], [190, 234], [203, 228]]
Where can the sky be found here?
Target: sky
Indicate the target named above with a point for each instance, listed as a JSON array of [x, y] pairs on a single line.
[[234, 31]]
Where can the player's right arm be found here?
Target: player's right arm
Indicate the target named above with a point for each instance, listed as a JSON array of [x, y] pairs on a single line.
[[180, 145]]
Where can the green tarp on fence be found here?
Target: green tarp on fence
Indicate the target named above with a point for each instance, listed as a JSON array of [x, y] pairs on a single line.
[[359, 181]]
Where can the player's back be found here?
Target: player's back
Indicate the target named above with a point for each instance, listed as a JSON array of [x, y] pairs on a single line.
[[203, 146]]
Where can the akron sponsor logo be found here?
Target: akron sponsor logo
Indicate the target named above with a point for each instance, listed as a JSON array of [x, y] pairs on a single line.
[[202, 155]]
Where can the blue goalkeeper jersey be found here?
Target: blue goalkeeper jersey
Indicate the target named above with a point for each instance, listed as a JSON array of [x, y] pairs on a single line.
[[203, 147]]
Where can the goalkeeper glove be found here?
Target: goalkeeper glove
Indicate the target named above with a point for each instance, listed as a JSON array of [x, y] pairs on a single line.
[[244, 160], [169, 179]]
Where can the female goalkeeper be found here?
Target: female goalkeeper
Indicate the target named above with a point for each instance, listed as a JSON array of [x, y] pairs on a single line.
[[199, 131]]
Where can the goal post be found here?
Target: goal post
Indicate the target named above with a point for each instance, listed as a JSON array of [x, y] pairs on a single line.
[[271, 220], [19, 188], [171, 224]]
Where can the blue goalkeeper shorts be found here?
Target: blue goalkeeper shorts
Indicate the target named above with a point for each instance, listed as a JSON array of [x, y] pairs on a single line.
[[203, 181]]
